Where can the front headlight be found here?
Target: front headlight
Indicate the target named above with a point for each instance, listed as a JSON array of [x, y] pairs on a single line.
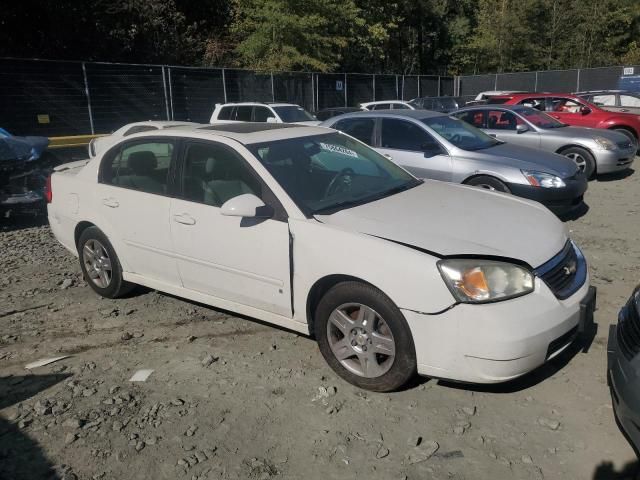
[[544, 180], [605, 143], [478, 281]]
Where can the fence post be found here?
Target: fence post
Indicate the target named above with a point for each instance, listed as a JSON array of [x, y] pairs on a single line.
[[535, 87], [224, 87], [345, 89], [397, 91], [439, 87], [419, 96], [317, 93], [166, 98], [170, 93], [495, 83], [578, 81], [313, 95], [402, 87], [373, 79], [86, 92], [273, 92]]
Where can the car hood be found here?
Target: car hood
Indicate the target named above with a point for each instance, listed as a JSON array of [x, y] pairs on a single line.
[[525, 158], [449, 219]]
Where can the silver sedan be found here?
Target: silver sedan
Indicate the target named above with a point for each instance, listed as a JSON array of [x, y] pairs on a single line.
[[594, 150], [438, 146]]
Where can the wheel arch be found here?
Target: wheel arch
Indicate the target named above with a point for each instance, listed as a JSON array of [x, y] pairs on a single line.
[[321, 287], [573, 145], [629, 129], [484, 174], [81, 227]]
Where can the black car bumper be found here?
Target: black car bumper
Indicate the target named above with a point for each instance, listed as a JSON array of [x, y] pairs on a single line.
[[558, 200], [624, 384]]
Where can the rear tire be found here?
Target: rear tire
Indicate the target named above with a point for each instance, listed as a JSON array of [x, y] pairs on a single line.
[[100, 265], [583, 159], [488, 183], [364, 337]]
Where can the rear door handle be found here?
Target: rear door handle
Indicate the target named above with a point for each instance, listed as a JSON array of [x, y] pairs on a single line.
[[184, 219], [110, 202]]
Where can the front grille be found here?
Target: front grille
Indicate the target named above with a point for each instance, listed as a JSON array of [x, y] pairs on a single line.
[[629, 327], [565, 273]]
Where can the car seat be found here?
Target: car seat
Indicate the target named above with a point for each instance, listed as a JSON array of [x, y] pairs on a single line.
[[143, 166]]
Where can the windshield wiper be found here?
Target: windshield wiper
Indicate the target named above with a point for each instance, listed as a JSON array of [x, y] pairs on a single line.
[[367, 199]]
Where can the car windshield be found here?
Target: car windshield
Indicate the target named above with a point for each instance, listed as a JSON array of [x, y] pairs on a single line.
[[326, 173], [460, 133], [540, 119], [293, 114]]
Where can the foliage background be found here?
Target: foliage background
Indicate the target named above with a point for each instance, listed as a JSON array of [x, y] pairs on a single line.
[[375, 36]]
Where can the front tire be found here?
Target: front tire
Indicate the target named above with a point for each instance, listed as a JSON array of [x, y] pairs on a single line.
[[583, 160], [489, 183], [364, 337], [100, 265]]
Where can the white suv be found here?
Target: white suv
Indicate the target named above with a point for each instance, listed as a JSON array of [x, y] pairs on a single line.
[[262, 112]]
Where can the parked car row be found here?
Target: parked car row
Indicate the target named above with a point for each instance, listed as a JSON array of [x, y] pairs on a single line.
[[368, 231]]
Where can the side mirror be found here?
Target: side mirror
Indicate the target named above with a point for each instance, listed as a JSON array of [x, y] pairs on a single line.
[[272, 120], [387, 156], [584, 110], [246, 205], [431, 149], [522, 128]]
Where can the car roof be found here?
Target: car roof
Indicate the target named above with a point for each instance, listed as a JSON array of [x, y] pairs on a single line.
[[600, 91], [534, 94], [159, 123], [251, 104], [378, 102], [495, 106], [243, 132], [416, 114]]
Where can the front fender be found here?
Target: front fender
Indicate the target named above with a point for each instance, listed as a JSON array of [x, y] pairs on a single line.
[[410, 278]]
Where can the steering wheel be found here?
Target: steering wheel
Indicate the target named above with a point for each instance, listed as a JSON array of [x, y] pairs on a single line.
[[340, 183], [455, 138]]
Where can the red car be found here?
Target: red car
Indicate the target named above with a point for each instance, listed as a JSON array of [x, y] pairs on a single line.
[[574, 110]]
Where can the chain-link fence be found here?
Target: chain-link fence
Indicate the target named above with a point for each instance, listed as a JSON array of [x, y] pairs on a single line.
[[603, 78], [41, 97]]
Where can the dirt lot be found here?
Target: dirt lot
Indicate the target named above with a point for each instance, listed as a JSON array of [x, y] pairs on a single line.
[[232, 398]]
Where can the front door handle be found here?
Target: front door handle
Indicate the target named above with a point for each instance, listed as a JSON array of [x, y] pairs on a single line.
[[184, 219], [110, 202], [556, 116]]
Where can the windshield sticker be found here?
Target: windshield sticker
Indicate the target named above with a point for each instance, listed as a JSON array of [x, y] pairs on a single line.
[[338, 149]]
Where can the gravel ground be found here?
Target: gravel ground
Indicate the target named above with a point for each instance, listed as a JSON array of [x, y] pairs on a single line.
[[233, 398]]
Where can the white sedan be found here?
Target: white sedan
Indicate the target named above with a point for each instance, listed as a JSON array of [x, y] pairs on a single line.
[[310, 229]]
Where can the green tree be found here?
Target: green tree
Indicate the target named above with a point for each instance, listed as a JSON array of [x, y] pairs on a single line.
[[292, 34]]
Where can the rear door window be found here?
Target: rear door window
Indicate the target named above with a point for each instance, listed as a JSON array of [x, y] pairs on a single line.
[[142, 166], [400, 106], [225, 113], [607, 100], [381, 106], [360, 128], [474, 117], [243, 113], [629, 101], [501, 120], [260, 114]]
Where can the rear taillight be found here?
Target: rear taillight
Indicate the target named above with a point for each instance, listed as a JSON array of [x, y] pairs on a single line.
[[48, 193]]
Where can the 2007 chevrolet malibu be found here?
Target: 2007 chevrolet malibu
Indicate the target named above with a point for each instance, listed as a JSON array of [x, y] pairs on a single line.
[[310, 229]]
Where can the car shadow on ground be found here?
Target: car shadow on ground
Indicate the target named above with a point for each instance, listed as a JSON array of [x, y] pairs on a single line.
[[20, 456], [607, 471], [612, 177], [20, 222], [550, 368], [580, 211]]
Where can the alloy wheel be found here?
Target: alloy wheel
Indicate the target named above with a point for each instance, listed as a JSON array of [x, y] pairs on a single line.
[[579, 160], [97, 263], [361, 340]]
